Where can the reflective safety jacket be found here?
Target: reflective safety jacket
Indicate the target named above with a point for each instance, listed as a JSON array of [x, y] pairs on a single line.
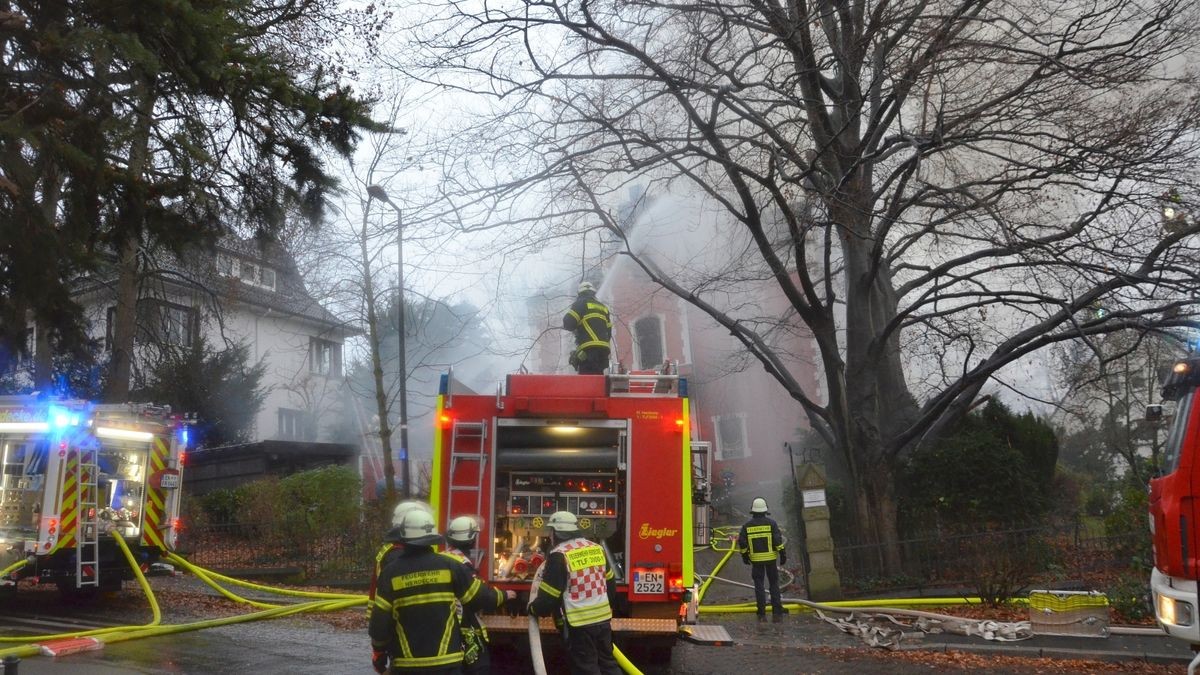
[[579, 579], [414, 617], [468, 619], [761, 539], [589, 319]]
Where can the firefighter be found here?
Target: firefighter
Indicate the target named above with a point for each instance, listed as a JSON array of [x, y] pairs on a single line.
[[589, 319], [761, 545], [461, 534], [392, 546], [578, 581], [414, 622]]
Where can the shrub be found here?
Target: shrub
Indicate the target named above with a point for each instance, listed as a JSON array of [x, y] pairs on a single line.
[[1130, 598]]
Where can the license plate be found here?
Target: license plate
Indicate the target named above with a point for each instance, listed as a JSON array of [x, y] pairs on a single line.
[[648, 582]]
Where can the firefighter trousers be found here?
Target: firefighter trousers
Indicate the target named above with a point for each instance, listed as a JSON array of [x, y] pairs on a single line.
[[766, 572], [595, 360], [590, 650]]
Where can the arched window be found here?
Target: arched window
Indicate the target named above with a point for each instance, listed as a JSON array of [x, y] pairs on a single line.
[[648, 341]]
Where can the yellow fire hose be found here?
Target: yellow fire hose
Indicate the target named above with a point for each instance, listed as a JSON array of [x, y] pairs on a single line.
[[12, 568], [154, 608], [327, 602]]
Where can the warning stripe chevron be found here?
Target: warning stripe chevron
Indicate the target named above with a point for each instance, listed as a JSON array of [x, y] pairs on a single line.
[[69, 516], [152, 524]]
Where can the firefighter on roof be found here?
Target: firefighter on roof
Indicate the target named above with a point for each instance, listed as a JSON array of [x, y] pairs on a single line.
[[577, 579], [588, 318], [761, 544], [414, 621], [461, 534]]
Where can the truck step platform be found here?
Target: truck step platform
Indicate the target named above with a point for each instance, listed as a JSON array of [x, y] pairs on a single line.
[[706, 634], [520, 624]]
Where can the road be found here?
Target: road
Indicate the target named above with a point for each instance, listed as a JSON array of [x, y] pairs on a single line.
[[338, 644]]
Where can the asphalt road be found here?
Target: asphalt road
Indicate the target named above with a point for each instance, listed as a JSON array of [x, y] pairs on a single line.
[[799, 644]]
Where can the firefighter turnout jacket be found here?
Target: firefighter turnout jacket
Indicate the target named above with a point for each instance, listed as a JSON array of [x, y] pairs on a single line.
[[760, 539], [579, 578], [589, 319], [475, 635], [415, 618]]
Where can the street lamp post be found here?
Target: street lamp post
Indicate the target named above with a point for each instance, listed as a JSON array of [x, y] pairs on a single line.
[[379, 193]]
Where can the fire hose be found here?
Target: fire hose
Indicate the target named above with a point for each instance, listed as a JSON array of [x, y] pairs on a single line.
[[322, 602], [871, 620]]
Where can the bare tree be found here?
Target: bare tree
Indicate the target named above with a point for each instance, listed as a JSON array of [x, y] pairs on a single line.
[[939, 189], [1109, 382]]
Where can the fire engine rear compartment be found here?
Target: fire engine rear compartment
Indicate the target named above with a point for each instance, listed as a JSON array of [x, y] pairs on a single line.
[[546, 465]]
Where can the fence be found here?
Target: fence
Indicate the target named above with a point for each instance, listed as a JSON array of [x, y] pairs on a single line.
[[340, 558], [1064, 554]]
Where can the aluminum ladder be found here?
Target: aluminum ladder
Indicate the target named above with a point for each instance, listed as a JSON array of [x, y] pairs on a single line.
[[87, 533], [472, 435]]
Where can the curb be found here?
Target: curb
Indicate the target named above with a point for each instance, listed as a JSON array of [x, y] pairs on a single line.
[[1108, 655]]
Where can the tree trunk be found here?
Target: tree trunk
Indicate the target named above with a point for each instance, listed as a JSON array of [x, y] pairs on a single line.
[[878, 405], [128, 283], [373, 337], [43, 360], [124, 327]]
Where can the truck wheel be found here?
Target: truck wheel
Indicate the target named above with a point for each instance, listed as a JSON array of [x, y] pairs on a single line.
[[69, 594]]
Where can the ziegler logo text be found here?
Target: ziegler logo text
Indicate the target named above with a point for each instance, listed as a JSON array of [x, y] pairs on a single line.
[[647, 532]]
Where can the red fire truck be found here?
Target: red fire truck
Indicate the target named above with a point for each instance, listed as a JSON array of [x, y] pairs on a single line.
[[615, 450], [72, 474], [1175, 507]]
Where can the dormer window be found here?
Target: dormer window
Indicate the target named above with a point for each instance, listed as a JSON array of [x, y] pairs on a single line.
[[247, 272]]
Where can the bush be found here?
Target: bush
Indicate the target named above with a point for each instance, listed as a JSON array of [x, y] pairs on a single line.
[[1000, 565], [319, 502], [1126, 526], [993, 467], [1130, 598]]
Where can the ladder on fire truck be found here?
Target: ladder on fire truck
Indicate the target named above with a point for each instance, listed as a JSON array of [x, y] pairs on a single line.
[[468, 450], [87, 533]]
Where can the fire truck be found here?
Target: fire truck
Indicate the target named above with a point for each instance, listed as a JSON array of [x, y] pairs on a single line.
[[72, 474], [614, 450]]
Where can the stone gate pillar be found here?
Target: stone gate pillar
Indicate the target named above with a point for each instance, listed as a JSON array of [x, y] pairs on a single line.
[[823, 581]]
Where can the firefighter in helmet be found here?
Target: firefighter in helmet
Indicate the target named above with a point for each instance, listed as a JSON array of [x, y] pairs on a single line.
[[589, 319], [577, 581], [761, 545], [392, 543], [461, 535], [414, 622]]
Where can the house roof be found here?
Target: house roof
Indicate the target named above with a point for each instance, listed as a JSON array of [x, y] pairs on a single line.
[[200, 272]]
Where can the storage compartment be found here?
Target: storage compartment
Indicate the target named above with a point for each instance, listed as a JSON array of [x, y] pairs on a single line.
[[545, 466]]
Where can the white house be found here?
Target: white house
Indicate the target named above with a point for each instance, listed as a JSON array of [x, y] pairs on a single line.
[[244, 294]]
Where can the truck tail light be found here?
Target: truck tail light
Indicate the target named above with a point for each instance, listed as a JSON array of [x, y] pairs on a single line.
[[176, 524], [182, 458], [676, 587], [444, 421]]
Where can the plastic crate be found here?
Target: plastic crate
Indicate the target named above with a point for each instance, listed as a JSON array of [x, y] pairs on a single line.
[[1074, 613]]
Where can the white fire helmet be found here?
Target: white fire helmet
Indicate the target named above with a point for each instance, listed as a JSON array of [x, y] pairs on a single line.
[[419, 528], [759, 505], [586, 287], [405, 506], [462, 528], [564, 523]]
